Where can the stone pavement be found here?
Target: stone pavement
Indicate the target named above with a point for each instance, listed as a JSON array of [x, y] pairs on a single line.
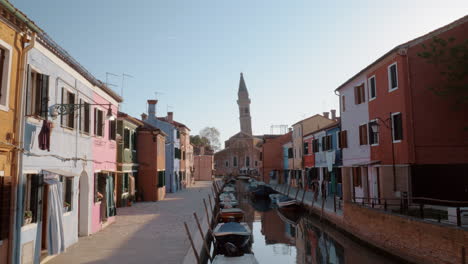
[[147, 232]]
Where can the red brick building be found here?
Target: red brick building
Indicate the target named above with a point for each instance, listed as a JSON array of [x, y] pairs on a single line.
[[203, 164], [152, 160], [272, 155]]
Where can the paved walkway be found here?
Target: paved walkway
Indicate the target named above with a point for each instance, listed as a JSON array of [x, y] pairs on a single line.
[[149, 232]]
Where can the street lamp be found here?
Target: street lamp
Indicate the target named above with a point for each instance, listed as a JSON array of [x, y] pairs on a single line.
[[375, 128], [65, 109]]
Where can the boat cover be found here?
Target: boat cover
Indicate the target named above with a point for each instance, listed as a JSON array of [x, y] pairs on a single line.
[[232, 228], [245, 259], [232, 210]]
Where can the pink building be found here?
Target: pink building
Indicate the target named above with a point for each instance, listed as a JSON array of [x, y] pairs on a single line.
[[103, 188]]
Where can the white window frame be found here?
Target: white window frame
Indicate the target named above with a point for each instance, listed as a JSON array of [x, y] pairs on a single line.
[[393, 128], [5, 85], [390, 89], [370, 86], [378, 133], [65, 124]]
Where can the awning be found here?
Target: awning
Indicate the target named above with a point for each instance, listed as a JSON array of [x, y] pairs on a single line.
[[62, 172], [366, 163]]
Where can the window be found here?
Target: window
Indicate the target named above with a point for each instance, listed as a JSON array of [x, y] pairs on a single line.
[[134, 134], [226, 163], [247, 161], [372, 89], [125, 182], [126, 138], [4, 76], [183, 155], [112, 129], [343, 103], [246, 110], [363, 134], [359, 94], [37, 95], [357, 178], [327, 143], [315, 145], [234, 161], [67, 193], [392, 77], [177, 153], [85, 117], [397, 127], [290, 153], [161, 178], [98, 122], [373, 135], [32, 200], [261, 156], [68, 120], [256, 163], [178, 134], [306, 148], [343, 139]]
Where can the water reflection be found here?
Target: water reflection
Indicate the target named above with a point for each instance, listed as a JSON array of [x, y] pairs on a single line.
[[293, 236]]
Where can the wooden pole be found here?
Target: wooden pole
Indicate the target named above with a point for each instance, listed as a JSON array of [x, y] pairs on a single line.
[[201, 233], [191, 242], [207, 216], [211, 205], [289, 187], [303, 195], [297, 192]]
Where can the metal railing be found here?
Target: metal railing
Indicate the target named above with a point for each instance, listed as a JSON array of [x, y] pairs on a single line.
[[441, 211]]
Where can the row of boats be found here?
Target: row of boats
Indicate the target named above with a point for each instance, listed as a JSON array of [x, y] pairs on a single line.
[[232, 236]]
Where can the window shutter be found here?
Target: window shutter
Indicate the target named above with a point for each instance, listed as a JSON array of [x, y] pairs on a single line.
[[29, 96], [343, 103], [44, 96], [62, 101], [364, 134], [363, 93], [81, 120], [95, 121]]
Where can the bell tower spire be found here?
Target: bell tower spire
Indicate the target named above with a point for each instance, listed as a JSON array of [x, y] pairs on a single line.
[[243, 102]]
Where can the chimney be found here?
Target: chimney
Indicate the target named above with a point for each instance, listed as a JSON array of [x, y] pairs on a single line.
[[333, 114], [290, 129], [170, 116], [152, 109], [144, 116], [326, 114]]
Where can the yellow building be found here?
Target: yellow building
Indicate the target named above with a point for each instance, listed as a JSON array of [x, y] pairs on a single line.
[[11, 48]]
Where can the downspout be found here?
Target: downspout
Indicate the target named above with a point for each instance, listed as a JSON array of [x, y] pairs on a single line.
[[411, 121], [20, 129]]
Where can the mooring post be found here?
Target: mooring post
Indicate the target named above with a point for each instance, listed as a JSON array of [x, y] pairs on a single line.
[[303, 196], [191, 242], [211, 205], [207, 216], [297, 192], [289, 187], [203, 237]]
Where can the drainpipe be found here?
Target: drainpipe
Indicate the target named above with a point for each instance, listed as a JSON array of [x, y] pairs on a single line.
[[20, 129]]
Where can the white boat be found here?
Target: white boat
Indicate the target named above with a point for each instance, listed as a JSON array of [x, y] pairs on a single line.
[[245, 259]]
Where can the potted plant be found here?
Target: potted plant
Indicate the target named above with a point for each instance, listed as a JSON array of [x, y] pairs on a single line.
[[67, 207], [27, 217]]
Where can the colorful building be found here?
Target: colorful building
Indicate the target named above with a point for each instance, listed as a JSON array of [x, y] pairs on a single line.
[[127, 163], [151, 156], [12, 52]]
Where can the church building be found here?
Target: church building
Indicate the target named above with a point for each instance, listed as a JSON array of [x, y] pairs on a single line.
[[242, 153]]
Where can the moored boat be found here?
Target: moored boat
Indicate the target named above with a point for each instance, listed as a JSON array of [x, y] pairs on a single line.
[[262, 191], [232, 239], [231, 215], [245, 259]]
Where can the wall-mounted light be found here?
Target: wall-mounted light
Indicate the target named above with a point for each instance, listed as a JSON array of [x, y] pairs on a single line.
[[65, 109]]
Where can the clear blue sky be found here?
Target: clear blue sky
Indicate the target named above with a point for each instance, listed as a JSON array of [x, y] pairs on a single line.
[[293, 53]]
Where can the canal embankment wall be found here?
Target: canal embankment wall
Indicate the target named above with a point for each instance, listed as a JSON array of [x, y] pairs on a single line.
[[412, 239]]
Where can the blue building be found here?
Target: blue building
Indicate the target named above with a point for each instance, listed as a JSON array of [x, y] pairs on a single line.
[[333, 159]]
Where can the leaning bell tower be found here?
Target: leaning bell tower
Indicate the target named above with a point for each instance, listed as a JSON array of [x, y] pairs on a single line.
[[244, 107]]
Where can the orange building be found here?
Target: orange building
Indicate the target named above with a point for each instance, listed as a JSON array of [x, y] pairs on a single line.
[[272, 157], [203, 164], [151, 157]]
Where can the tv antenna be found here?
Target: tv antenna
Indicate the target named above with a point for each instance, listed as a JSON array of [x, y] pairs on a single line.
[[107, 79], [123, 82], [156, 94]]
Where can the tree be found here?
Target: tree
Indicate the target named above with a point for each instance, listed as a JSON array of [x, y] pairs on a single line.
[[212, 134], [452, 61], [199, 141]]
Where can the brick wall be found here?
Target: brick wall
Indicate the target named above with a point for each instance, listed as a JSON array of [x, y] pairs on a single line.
[[407, 237]]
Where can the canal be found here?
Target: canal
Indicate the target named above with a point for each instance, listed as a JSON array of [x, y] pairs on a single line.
[[295, 236]]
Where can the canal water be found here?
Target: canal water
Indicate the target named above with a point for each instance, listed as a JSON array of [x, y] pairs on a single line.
[[294, 236]]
